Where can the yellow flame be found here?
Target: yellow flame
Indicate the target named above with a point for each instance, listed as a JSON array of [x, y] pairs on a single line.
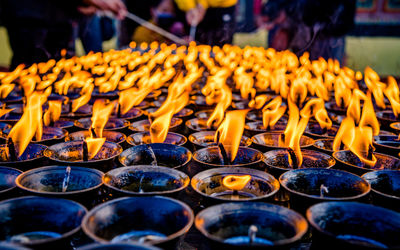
[[236, 182], [273, 111], [94, 145], [393, 94], [53, 113], [30, 124], [230, 132], [101, 113]]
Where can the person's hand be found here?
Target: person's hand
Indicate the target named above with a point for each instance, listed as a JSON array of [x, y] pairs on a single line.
[[195, 16], [117, 7]]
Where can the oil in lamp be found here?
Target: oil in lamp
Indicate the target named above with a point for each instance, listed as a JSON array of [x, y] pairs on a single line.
[[94, 153], [250, 225], [144, 125], [273, 140], [206, 139], [353, 225], [385, 186], [234, 184], [40, 222], [324, 146], [198, 124], [111, 136], [309, 186], [156, 154], [204, 114], [72, 183], [145, 138], [145, 180], [113, 124], [7, 181], [154, 220], [120, 246], [315, 131]]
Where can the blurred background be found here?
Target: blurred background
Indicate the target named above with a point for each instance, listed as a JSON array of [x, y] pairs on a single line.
[[374, 40]]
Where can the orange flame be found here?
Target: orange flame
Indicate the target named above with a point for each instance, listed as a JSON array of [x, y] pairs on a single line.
[[30, 124], [53, 113], [371, 79], [230, 132], [315, 107], [101, 113], [236, 182], [393, 94], [86, 94], [5, 90], [273, 111], [94, 145]]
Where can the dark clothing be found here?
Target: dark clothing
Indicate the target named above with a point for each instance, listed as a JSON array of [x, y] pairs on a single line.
[[39, 29], [217, 26], [312, 25]]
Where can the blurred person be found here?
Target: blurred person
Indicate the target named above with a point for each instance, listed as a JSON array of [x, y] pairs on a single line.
[[318, 27], [40, 29], [163, 14], [215, 19]]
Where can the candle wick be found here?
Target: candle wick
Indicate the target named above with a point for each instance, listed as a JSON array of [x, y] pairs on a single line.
[[235, 195], [66, 179], [225, 158], [252, 233], [93, 132], [85, 151], [293, 158], [323, 190], [12, 154]]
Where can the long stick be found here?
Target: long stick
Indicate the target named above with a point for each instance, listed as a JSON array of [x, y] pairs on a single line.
[[155, 28]]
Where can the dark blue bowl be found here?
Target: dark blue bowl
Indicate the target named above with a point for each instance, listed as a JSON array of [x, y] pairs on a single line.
[[385, 185], [118, 246], [228, 225], [7, 180], [167, 155], [353, 225], [146, 180], [304, 187], [81, 184], [150, 219], [40, 222], [144, 138]]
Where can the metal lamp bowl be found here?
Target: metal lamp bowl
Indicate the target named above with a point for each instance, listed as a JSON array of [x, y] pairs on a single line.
[[146, 180], [144, 138], [132, 218], [209, 184], [353, 225], [277, 226], [40, 222], [167, 155]]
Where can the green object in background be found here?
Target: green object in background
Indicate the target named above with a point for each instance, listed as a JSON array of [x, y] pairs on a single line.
[[380, 53]]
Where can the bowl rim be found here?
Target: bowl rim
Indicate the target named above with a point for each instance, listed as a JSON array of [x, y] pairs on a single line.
[[95, 245], [148, 168], [47, 150], [129, 138], [364, 176], [237, 170], [325, 198], [12, 169], [177, 234], [131, 125], [68, 137], [56, 167], [315, 225], [42, 147], [63, 236], [126, 123], [252, 205], [277, 147], [302, 150], [188, 152], [192, 137], [213, 165], [357, 167]]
